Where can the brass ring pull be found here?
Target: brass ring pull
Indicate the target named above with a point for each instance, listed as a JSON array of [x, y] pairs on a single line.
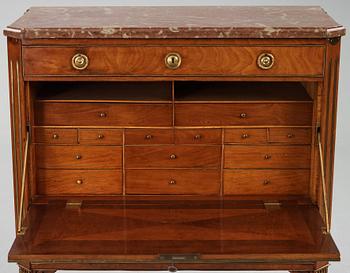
[[244, 136], [266, 61], [148, 137], [80, 61], [79, 181], [173, 60], [172, 156], [243, 115], [55, 136], [172, 182]]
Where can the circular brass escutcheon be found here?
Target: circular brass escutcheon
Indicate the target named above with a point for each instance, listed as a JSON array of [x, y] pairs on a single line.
[[79, 181], [243, 115], [173, 156], [172, 182], [148, 137], [197, 137], [173, 60], [244, 136], [55, 136], [80, 61], [100, 136], [266, 61]]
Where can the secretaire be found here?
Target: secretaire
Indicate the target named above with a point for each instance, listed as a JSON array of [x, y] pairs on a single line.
[[173, 138]]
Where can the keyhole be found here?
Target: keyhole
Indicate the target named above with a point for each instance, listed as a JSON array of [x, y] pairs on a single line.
[[173, 60]]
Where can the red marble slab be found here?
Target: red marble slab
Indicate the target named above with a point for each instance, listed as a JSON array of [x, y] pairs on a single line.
[[176, 22]]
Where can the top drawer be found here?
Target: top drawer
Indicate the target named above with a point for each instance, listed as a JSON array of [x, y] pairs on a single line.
[[157, 60]]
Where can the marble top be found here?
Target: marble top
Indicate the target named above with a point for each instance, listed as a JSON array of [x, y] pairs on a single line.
[[176, 22]]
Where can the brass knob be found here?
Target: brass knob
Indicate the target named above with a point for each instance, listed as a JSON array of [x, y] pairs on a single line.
[[172, 156], [244, 136], [55, 136], [102, 114], [290, 135], [78, 157], [148, 137], [79, 181], [267, 157], [100, 136], [243, 115], [197, 137], [172, 182], [80, 61], [173, 60], [266, 182], [266, 61]]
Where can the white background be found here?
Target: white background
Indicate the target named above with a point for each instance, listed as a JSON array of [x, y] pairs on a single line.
[[10, 10]]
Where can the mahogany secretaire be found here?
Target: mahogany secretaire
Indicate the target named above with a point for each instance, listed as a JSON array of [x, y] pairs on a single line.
[[173, 138]]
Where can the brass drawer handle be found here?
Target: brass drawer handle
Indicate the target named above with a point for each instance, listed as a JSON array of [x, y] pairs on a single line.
[[80, 61], [172, 182], [267, 157], [266, 182], [197, 137], [102, 114], [148, 137], [173, 60], [77, 157], [290, 135], [55, 136], [173, 156], [243, 115], [244, 136], [79, 181], [266, 61]]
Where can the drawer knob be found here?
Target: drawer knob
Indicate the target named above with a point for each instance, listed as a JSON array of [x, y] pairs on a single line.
[[173, 60], [172, 156], [267, 157], [266, 61], [148, 137], [266, 182], [79, 181], [290, 135], [172, 182], [80, 61], [78, 157], [244, 136], [102, 114], [100, 136], [197, 137], [243, 115], [55, 136]]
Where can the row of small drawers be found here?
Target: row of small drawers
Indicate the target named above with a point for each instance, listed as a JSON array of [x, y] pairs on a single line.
[[172, 156], [162, 115], [170, 136], [204, 182]]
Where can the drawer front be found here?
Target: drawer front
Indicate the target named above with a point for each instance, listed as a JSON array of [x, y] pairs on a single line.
[[77, 182], [198, 136], [195, 60], [172, 157], [149, 136], [241, 114], [202, 182], [246, 136], [257, 182], [79, 157], [290, 135], [103, 114], [101, 136], [267, 156], [55, 136]]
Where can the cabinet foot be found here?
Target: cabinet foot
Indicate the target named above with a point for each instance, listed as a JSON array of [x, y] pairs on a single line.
[[26, 270], [323, 269]]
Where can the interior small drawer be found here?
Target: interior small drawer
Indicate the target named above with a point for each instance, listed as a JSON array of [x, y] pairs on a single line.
[[79, 182], [290, 135], [242, 114], [198, 136], [149, 136], [170, 156], [267, 156], [202, 182], [55, 136], [257, 182], [78, 157], [245, 136], [174, 60], [101, 136], [102, 114]]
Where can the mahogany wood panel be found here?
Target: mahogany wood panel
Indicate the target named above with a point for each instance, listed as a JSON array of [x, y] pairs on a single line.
[[198, 136], [267, 156], [245, 136], [209, 114], [103, 114], [55, 136], [290, 135], [79, 157], [253, 182], [101, 136], [79, 182], [204, 182], [169, 156], [196, 60], [149, 136]]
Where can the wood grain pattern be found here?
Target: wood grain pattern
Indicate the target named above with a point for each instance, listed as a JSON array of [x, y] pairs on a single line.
[[203, 182], [198, 136], [255, 114], [253, 182], [149, 136], [90, 182], [290, 135], [245, 136], [55, 136], [78, 157], [197, 60], [168, 156], [101, 136], [267, 156]]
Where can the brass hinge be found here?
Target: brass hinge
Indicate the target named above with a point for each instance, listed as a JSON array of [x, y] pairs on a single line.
[[74, 204], [272, 205]]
